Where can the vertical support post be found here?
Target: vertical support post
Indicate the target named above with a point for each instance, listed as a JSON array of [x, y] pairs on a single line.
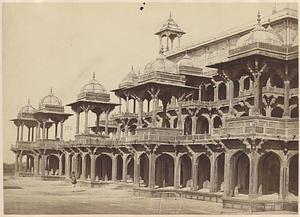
[[200, 93], [194, 172], [43, 164], [93, 167], [179, 120], [106, 122], [55, 136], [36, 165], [230, 95], [134, 105], [253, 174], [32, 134], [67, 165], [86, 127], [194, 124], [124, 172], [22, 126], [227, 175], [114, 168], [43, 131], [18, 133], [120, 106], [60, 166], [74, 164], [62, 130], [16, 164], [38, 129], [140, 114], [216, 93], [213, 173], [176, 171], [286, 112], [151, 176], [77, 121], [83, 167], [136, 169], [20, 163], [127, 103], [154, 103]]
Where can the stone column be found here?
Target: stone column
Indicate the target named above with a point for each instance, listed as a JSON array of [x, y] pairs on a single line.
[[18, 133], [32, 134], [152, 157], [114, 168], [216, 93], [127, 104], [27, 164], [124, 169], [194, 124], [283, 180], [126, 129], [47, 132], [194, 172], [77, 122], [154, 99], [140, 114], [286, 112], [20, 163], [36, 165], [120, 106], [200, 93], [22, 126], [230, 95], [134, 105], [253, 174], [28, 135], [43, 131], [86, 123], [62, 130], [177, 167], [38, 129], [55, 135], [106, 122], [213, 173], [74, 164], [227, 175], [83, 167], [43, 164], [67, 165], [179, 120], [136, 169], [16, 164], [60, 166], [93, 167]]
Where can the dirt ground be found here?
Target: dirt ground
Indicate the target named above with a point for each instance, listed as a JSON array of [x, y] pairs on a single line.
[[32, 196]]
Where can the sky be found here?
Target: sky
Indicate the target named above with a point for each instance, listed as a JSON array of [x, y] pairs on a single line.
[[60, 45]]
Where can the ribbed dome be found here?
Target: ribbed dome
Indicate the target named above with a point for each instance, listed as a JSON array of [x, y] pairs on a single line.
[[261, 35], [185, 61], [28, 109], [161, 64], [93, 87], [130, 78], [51, 99]]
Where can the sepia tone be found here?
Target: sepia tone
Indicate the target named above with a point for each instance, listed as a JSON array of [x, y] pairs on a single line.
[[213, 122]]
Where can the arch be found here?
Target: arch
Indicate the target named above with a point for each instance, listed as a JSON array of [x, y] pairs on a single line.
[[293, 175], [220, 171], [164, 171], [247, 82], [277, 112], [144, 169], [202, 125], [103, 167], [294, 112], [217, 122], [119, 167], [240, 165], [269, 174], [52, 165], [185, 170], [203, 179], [236, 88], [222, 91], [188, 125], [210, 93], [130, 169]]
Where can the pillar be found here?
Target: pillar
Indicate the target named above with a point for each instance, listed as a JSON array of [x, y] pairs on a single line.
[[127, 104], [124, 169], [86, 123], [200, 93], [136, 169], [227, 175], [27, 163], [154, 99], [93, 167], [97, 123], [230, 95], [36, 165], [18, 127], [62, 130], [114, 168], [106, 122], [177, 171], [28, 135], [77, 122], [43, 164], [152, 157], [120, 106], [22, 126], [194, 172], [43, 131], [179, 120], [126, 129], [20, 163], [283, 184], [60, 166], [216, 93], [253, 174], [134, 105], [286, 112], [140, 114], [194, 124], [67, 165], [83, 167], [38, 129], [16, 164], [74, 164], [47, 132], [213, 173], [32, 134]]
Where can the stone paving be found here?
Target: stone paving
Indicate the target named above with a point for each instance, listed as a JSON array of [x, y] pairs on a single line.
[[33, 196]]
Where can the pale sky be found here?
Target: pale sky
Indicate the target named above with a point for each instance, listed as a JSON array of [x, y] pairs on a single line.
[[60, 45]]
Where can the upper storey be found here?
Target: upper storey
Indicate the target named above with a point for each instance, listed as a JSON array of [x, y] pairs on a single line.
[[280, 28]]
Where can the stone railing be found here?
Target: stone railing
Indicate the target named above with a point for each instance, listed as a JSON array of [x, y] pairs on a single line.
[[43, 144], [124, 114], [272, 90], [294, 92], [162, 76], [258, 45]]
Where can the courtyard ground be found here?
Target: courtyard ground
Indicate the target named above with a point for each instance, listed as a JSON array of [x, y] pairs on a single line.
[[32, 196]]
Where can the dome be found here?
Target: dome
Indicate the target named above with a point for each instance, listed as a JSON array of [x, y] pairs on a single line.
[[93, 87], [161, 64], [28, 109], [51, 99], [170, 23], [185, 61], [259, 34], [130, 78]]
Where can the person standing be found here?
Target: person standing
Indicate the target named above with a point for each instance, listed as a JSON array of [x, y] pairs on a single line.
[[73, 181]]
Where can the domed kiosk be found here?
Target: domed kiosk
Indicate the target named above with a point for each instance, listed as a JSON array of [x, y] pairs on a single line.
[[129, 80]]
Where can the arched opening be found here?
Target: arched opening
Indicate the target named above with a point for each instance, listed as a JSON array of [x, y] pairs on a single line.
[[277, 112], [39, 164], [144, 170], [175, 123], [119, 167], [164, 171], [29, 164], [202, 125], [103, 168], [185, 170], [294, 112], [222, 91], [276, 81], [188, 126], [217, 122], [203, 181], [210, 93], [79, 165], [220, 172], [52, 165], [240, 165], [70, 164], [166, 123], [130, 169], [293, 175], [88, 167], [236, 88], [247, 83], [269, 174]]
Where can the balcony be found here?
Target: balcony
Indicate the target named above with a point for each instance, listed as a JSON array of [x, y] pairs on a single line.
[[39, 144]]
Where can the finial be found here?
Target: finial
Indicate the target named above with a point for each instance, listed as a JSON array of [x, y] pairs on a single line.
[[132, 68], [94, 76], [51, 90], [170, 14], [274, 10], [28, 102], [139, 72], [258, 17]]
